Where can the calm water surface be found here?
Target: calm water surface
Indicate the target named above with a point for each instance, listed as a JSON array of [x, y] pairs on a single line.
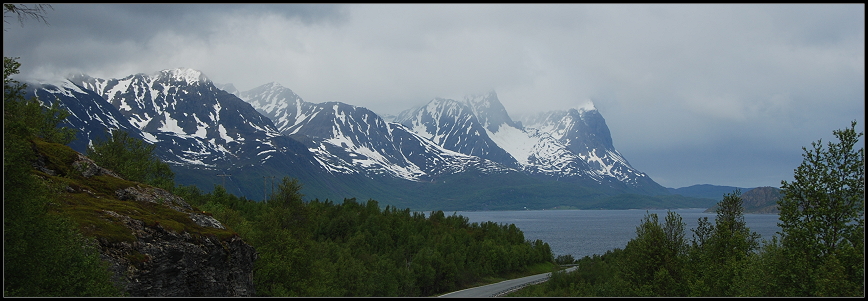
[[587, 232]]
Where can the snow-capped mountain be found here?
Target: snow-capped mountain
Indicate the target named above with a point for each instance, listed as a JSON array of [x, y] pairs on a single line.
[[582, 134], [285, 108], [201, 124], [455, 153], [454, 126], [354, 140], [489, 111], [200, 130], [89, 113], [561, 144]]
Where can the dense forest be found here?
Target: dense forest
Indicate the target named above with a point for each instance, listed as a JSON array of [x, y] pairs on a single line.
[[820, 251], [320, 248]]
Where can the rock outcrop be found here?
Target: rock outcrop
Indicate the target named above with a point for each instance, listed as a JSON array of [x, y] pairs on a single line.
[[164, 263], [157, 245]]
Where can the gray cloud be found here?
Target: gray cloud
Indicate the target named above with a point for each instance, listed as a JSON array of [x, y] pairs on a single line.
[[717, 94]]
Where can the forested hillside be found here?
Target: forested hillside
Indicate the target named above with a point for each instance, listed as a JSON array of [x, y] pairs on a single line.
[[321, 248]]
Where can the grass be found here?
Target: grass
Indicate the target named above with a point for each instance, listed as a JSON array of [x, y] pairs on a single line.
[[89, 202]]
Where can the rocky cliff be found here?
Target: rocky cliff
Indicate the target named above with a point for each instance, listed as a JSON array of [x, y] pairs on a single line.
[[156, 244]]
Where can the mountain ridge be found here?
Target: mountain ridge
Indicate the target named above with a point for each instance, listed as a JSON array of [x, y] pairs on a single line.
[[239, 139]]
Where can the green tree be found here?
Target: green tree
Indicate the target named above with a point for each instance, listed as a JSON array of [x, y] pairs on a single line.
[[654, 262], [29, 114], [133, 159], [288, 201], [718, 252], [43, 254], [283, 242], [822, 219]]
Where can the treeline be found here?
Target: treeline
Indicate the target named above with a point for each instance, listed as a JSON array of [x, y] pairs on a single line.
[[820, 251], [320, 248]]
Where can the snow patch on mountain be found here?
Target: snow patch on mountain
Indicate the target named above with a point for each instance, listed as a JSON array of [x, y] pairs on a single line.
[[516, 142], [170, 124], [223, 133], [150, 138]]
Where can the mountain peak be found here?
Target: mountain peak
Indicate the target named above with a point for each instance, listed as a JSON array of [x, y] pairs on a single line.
[[273, 85], [227, 87], [482, 100], [489, 111], [190, 76], [587, 105]]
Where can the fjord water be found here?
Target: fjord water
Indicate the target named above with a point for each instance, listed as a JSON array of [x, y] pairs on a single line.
[[587, 232]]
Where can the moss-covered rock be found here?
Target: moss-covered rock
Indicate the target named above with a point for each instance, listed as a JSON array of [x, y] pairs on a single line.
[[156, 243]]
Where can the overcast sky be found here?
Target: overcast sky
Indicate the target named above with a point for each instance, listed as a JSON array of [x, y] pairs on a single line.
[[692, 94]]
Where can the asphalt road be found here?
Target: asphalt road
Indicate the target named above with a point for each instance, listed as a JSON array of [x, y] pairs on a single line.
[[500, 288]]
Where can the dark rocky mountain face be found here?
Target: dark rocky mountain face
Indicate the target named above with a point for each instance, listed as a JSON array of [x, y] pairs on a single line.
[[580, 131], [489, 111]]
